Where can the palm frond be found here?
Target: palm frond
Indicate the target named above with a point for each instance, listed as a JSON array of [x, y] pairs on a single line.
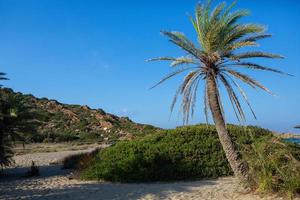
[[187, 80], [181, 88], [250, 65], [203, 22], [183, 60], [232, 18], [229, 8], [243, 94], [166, 58], [175, 98], [175, 61], [246, 79], [233, 98], [171, 75], [239, 45], [240, 31], [254, 54], [195, 97], [189, 90], [256, 37], [215, 14], [2, 77], [197, 22], [180, 40]]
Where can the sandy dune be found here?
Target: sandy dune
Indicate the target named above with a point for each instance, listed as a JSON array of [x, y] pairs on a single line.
[[54, 184]]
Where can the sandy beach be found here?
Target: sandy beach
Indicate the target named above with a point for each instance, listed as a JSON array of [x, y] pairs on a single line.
[[55, 183]]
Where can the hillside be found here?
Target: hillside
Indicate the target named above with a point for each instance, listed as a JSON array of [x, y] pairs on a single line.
[[63, 122]]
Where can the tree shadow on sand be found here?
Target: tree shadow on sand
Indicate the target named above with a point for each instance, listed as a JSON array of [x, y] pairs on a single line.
[[11, 174], [14, 186]]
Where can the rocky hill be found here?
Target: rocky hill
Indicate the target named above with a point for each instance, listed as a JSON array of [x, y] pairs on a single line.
[[63, 122]]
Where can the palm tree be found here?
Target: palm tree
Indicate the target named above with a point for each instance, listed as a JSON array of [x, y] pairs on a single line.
[[17, 120], [215, 59]]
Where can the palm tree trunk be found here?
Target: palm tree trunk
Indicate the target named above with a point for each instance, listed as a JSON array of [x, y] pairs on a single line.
[[239, 167]]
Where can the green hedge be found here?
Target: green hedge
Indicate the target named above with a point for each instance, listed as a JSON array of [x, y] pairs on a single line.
[[191, 152]]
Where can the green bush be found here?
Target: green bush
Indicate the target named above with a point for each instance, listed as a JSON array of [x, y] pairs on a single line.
[[191, 152]]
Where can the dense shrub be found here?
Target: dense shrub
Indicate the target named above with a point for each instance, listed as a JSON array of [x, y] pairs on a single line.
[[191, 152]]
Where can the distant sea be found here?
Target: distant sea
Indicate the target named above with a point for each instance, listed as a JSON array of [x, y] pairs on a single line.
[[295, 140]]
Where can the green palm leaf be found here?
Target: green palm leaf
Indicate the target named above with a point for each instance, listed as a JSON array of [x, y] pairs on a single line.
[[180, 40]]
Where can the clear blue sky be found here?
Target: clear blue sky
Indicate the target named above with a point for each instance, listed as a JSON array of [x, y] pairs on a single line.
[[94, 52]]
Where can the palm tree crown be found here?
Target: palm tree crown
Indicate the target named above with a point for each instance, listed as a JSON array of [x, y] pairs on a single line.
[[217, 55]]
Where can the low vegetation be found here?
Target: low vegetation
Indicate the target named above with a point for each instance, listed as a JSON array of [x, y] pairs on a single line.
[[80, 160], [194, 152], [274, 166]]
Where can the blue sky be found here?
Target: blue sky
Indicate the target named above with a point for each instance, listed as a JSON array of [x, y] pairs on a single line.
[[93, 53]]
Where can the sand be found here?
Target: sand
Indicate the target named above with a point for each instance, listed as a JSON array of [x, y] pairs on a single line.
[[56, 184]]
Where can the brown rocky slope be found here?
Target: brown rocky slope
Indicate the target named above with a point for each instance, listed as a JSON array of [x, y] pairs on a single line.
[[60, 122]]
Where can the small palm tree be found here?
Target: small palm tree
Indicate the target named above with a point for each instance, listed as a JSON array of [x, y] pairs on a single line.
[[17, 120], [215, 60]]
